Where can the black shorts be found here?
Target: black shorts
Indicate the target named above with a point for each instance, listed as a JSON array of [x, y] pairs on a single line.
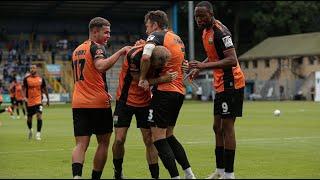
[[88, 121], [13, 100], [123, 115], [34, 109], [164, 108], [19, 102], [229, 104]]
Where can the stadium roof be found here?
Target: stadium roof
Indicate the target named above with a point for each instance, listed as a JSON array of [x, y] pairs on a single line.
[[284, 46], [78, 9]]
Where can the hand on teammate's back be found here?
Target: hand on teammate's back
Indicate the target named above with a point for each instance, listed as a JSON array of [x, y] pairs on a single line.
[[125, 50], [139, 42], [170, 76], [196, 64], [144, 84]]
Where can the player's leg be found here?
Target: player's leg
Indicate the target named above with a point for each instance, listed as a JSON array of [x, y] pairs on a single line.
[[219, 141], [25, 105], [21, 105], [82, 131], [233, 108], [122, 120], [164, 150], [230, 145], [2, 110], [178, 150], [78, 155], [151, 153], [159, 122], [179, 153], [101, 155], [118, 150], [7, 109], [12, 107], [141, 114], [16, 106], [31, 111], [102, 127], [39, 121]]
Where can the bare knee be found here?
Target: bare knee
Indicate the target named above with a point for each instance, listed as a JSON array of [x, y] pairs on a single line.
[[228, 126], [119, 142], [148, 141], [217, 129], [82, 146]]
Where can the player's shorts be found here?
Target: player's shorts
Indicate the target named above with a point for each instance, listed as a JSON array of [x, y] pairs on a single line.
[[123, 115], [19, 102], [34, 109], [13, 100], [88, 121], [164, 108], [229, 104]]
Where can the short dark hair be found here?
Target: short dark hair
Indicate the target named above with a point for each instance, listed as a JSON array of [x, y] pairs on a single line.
[[205, 4], [98, 22], [159, 17]]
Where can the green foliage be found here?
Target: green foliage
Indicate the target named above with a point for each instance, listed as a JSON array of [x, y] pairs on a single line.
[[278, 18], [251, 22]]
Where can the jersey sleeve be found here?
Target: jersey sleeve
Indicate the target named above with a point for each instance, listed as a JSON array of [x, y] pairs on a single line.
[[223, 39], [98, 51], [156, 38]]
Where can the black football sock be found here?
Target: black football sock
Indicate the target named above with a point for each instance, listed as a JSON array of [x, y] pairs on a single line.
[[167, 157]]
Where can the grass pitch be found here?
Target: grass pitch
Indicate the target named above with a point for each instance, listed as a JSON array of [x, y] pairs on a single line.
[[267, 146]]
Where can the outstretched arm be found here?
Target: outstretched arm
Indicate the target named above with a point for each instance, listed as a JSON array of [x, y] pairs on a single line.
[[103, 64]]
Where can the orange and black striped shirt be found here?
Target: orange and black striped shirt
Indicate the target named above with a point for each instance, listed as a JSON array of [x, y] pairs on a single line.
[[216, 40], [34, 85], [177, 49], [128, 91], [18, 91], [90, 89]]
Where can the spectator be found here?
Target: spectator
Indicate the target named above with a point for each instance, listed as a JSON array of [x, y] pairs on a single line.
[[1, 53], [53, 55]]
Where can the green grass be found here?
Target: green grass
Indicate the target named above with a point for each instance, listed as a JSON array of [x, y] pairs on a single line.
[[267, 146]]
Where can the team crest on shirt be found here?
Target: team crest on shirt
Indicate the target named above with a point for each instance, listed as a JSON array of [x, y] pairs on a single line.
[[150, 38], [227, 41], [210, 40], [99, 51]]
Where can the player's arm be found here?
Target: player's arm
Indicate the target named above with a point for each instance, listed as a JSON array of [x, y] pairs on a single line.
[[102, 63], [230, 60], [224, 42], [156, 38], [170, 76], [24, 89], [194, 71], [45, 91], [145, 61]]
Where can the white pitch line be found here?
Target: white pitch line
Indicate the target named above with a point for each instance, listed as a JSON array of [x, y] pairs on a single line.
[[262, 140]]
